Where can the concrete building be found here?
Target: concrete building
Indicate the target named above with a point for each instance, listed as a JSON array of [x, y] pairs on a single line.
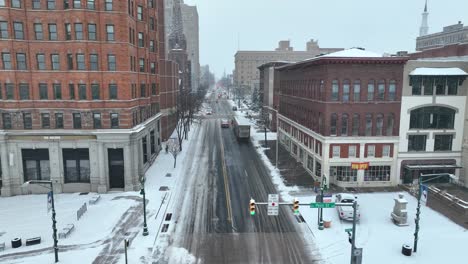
[[190, 22], [433, 107], [339, 116], [79, 94], [452, 34], [246, 73]]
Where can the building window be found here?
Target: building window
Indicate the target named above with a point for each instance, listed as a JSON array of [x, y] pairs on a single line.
[[386, 151], [71, 91], [76, 120], [92, 32], [21, 61], [80, 62], [344, 125], [76, 165], [36, 165], [151, 23], [151, 46], [452, 85], [368, 125], [70, 61], [113, 91], [151, 3], [66, 4], [310, 163], [108, 5], [82, 91], [153, 68], [140, 13], [357, 91], [416, 83], [3, 29], [76, 3], [6, 60], [152, 142], [6, 118], [24, 91], [93, 62], [45, 120], [90, 4], [145, 152], [55, 59], [43, 91], [318, 169], [432, 117], [52, 31], [379, 125], [351, 151], [417, 142], [110, 32], [18, 30], [141, 40], [333, 122], [334, 96], [356, 123], [336, 151], [111, 63], [153, 89], [95, 91], [38, 33], [68, 31], [57, 91], [346, 85], [10, 91], [381, 90], [78, 31], [370, 150], [370, 90], [97, 120], [392, 90], [343, 173], [16, 3], [36, 4], [390, 124], [114, 120], [443, 142], [27, 121], [142, 90], [377, 173], [40, 58], [58, 120], [142, 65], [50, 4], [428, 84]]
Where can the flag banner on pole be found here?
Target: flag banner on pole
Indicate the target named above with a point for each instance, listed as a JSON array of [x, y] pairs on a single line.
[[49, 201], [424, 194]]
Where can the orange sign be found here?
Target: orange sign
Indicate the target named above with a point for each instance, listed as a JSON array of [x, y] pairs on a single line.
[[359, 165]]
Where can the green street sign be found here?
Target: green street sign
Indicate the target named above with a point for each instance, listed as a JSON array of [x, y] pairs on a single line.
[[322, 205], [348, 230]]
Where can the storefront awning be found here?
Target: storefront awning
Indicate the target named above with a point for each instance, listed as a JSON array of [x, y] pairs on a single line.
[[429, 167]]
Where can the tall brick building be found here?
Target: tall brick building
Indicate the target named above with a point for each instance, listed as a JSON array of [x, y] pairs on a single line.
[[79, 93], [341, 111]]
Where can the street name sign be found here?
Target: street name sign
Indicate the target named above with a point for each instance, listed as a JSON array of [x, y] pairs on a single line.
[[273, 204], [322, 205]]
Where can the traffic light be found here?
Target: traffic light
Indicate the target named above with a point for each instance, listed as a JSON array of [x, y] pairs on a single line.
[[252, 207], [296, 206]]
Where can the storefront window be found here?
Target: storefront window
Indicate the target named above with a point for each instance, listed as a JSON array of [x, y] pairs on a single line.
[[76, 165], [343, 173], [36, 165], [377, 173]]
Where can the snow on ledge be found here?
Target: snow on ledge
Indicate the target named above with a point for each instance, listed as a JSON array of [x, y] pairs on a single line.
[[439, 71], [353, 53]]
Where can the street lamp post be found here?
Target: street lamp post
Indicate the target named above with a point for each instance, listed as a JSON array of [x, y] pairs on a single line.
[[145, 227], [418, 209], [322, 187], [54, 223]]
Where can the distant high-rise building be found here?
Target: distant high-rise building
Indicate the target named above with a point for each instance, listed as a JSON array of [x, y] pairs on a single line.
[[190, 24]]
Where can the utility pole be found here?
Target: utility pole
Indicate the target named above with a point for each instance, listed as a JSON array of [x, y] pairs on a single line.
[[353, 237]]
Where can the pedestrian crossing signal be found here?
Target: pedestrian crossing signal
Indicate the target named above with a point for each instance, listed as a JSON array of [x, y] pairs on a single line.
[[296, 206], [252, 207]]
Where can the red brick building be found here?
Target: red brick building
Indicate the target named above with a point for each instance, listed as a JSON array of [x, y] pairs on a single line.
[[80, 93], [342, 110]]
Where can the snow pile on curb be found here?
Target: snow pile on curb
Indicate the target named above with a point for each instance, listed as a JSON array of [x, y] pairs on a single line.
[[181, 256]]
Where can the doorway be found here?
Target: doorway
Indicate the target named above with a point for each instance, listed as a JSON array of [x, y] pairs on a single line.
[[116, 168]]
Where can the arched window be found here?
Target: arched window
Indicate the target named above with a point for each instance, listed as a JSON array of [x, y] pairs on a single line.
[[368, 124], [333, 121], [344, 125], [390, 124], [334, 95], [379, 125], [355, 124], [381, 90], [432, 117], [392, 90], [345, 96], [357, 91], [370, 90]]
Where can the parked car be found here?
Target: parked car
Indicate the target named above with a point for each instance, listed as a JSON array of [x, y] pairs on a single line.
[[346, 212], [225, 123], [234, 108]]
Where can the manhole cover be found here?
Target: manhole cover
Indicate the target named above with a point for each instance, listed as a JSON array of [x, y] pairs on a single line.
[[168, 175], [163, 188]]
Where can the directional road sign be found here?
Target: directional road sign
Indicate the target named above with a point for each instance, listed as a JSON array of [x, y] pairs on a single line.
[[273, 204], [322, 205]]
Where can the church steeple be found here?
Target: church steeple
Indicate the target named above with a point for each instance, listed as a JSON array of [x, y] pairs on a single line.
[[423, 30]]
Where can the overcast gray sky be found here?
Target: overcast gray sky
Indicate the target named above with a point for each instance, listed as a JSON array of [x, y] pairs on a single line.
[[377, 25]]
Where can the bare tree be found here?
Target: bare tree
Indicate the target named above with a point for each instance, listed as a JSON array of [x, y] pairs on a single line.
[[174, 149], [265, 119]]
